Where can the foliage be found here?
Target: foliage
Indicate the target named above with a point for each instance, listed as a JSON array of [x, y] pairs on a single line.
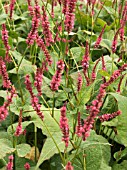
[[62, 70]]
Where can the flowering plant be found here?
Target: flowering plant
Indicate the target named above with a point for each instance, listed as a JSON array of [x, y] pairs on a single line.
[[63, 77]]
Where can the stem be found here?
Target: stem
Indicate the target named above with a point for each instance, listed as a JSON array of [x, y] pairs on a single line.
[[35, 142], [54, 143], [76, 151], [14, 141], [53, 105], [21, 93]]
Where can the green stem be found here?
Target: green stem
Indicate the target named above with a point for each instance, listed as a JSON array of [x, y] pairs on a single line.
[[53, 105], [21, 93], [35, 142], [76, 151]]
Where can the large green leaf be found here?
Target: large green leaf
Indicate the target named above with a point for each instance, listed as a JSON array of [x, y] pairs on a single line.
[[26, 67], [97, 153], [122, 124], [49, 125], [23, 149], [49, 148], [122, 166], [5, 147]]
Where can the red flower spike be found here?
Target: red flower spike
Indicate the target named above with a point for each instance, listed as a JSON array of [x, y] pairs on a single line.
[[114, 42], [64, 126], [46, 30], [10, 163], [12, 6], [19, 127], [41, 44], [34, 99], [98, 41], [79, 128], [97, 103], [108, 116], [56, 79], [79, 83], [3, 72]]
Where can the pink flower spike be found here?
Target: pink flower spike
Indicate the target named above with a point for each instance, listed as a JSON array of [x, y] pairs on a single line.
[[12, 6], [114, 42], [3, 113], [98, 41], [80, 82], [34, 99], [64, 126], [79, 128], [10, 163], [108, 116], [93, 76], [38, 80], [4, 74], [19, 127], [56, 79], [46, 30]]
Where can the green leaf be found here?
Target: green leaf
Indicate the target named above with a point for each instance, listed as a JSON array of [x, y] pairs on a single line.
[[26, 67], [97, 151], [56, 162], [23, 149], [49, 148], [3, 94], [3, 18], [48, 122], [5, 148], [122, 166], [122, 124], [121, 155], [77, 53]]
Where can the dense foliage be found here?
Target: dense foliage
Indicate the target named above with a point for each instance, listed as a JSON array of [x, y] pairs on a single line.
[[63, 77]]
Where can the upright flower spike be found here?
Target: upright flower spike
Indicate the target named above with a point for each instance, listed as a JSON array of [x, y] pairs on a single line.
[[3, 109], [120, 82], [34, 100], [38, 80], [37, 10], [85, 63], [12, 6], [79, 83], [10, 163], [3, 72], [4, 33], [98, 41], [79, 127], [42, 45], [30, 8], [114, 42], [64, 125], [69, 166], [19, 131], [65, 6], [55, 82], [93, 76], [33, 33], [46, 30], [70, 16]]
